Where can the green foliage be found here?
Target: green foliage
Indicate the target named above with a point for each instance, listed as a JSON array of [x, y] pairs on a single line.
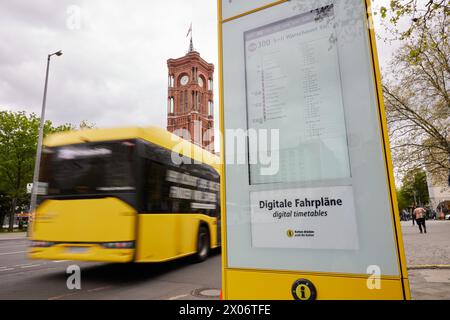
[[18, 144], [416, 14], [414, 189], [383, 12], [402, 200], [18, 136]]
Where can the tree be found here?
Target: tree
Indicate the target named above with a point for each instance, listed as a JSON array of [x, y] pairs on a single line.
[[402, 200], [419, 15], [4, 207], [18, 144], [414, 190], [417, 100]]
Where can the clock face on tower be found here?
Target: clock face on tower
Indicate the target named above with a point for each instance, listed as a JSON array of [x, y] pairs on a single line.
[[184, 80], [200, 82]]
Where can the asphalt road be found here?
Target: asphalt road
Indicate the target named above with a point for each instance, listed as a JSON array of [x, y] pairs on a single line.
[[21, 278]]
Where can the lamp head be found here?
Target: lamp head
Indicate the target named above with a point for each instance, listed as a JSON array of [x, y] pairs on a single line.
[[58, 53]]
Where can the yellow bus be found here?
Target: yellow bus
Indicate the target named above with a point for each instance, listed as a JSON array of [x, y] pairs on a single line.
[[126, 195]]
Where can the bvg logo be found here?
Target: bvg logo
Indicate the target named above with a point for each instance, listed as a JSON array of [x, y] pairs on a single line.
[[290, 233]]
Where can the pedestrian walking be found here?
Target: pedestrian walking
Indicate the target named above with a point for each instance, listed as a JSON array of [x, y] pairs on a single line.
[[404, 215], [419, 214], [413, 217]]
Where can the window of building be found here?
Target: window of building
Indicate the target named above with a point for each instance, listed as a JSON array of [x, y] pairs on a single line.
[[171, 105]]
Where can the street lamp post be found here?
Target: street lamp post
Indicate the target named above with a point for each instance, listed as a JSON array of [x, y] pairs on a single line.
[[40, 138]]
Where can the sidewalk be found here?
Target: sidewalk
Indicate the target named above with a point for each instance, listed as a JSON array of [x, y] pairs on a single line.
[[428, 260], [12, 236], [430, 284]]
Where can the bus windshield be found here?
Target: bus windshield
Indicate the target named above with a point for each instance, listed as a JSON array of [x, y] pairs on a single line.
[[89, 169]]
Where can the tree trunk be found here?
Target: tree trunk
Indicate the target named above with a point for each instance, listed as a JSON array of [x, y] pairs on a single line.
[[12, 215], [2, 219]]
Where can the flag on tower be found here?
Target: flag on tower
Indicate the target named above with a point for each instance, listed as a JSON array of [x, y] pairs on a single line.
[[189, 31]]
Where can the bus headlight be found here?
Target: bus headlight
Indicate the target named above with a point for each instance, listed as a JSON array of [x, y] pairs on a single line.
[[119, 245], [42, 244]]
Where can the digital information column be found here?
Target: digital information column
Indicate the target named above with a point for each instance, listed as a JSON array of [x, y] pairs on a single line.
[[307, 189]]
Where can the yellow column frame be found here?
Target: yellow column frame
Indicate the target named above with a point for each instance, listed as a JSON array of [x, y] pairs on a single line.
[[387, 152], [260, 280]]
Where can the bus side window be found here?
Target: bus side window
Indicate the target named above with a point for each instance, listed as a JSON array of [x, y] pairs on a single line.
[[157, 193]]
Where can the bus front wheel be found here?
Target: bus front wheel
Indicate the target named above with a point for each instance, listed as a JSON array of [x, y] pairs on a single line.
[[203, 244]]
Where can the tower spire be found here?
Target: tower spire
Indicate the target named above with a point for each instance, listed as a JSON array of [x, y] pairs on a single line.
[[191, 46]]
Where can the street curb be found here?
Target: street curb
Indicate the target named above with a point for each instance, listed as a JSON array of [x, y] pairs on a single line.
[[17, 237], [430, 266]]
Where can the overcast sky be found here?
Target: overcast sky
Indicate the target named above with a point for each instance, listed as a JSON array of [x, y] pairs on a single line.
[[113, 71]]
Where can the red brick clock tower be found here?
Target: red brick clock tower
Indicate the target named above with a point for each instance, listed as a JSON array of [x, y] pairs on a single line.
[[190, 99]]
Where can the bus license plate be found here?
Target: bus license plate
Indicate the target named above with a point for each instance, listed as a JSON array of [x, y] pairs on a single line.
[[77, 249]]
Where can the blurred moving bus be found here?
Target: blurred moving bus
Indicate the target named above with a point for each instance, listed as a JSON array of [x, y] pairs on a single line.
[[118, 195]]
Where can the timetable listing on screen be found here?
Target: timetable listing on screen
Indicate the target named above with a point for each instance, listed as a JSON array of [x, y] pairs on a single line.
[[293, 85]]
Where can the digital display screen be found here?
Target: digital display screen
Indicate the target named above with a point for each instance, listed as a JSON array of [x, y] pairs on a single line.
[[293, 85]]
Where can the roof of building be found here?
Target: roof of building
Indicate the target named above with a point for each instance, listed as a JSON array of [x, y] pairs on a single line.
[[189, 57]]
